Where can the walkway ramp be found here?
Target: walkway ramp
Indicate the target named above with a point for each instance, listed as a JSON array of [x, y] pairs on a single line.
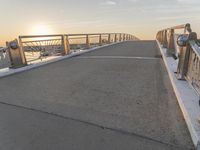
[[116, 97]]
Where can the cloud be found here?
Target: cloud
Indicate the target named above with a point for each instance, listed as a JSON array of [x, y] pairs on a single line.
[[109, 3]]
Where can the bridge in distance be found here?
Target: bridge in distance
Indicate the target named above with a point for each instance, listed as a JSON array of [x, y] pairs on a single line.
[[118, 96]]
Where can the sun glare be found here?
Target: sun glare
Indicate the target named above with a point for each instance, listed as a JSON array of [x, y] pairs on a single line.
[[40, 30]]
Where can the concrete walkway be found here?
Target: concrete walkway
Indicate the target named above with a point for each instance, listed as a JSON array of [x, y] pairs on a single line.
[[114, 98]]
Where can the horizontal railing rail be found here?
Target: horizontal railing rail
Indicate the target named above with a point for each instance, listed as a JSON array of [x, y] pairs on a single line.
[[29, 48], [184, 47]]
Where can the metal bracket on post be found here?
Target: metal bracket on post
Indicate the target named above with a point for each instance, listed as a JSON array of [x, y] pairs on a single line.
[[16, 53]]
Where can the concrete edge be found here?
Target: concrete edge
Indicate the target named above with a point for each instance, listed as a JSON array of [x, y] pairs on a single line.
[[32, 66], [187, 98]]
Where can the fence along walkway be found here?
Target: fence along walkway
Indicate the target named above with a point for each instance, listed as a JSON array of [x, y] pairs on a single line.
[[117, 97], [184, 47], [183, 54], [27, 49]]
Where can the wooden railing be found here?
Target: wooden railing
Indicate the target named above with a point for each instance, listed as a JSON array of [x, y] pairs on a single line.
[[37, 47], [186, 49], [41, 46]]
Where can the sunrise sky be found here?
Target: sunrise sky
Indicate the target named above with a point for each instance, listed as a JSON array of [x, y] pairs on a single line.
[[142, 18]]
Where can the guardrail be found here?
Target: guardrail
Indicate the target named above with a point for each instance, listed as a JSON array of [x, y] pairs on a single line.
[[38, 47], [41, 46], [184, 47]]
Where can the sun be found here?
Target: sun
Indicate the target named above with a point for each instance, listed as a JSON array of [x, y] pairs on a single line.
[[40, 29]]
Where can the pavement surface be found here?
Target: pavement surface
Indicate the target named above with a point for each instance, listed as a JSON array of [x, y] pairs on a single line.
[[116, 97]]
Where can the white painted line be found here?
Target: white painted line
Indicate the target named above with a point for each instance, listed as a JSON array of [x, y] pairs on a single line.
[[9, 71], [187, 98], [117, 57]]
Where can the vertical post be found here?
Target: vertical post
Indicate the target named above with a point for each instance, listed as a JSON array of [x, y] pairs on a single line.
[[127, 37], [87, 41], [109, 38], [115, 38], [22, 53], [124, 37], [16, 54], [165, 39], [100, 40], [161, 37], [158, 36], [65, 44], [120, 37], [184, 57], [170, 44]]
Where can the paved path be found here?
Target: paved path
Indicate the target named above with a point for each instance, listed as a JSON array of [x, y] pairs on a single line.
[[114, 98]]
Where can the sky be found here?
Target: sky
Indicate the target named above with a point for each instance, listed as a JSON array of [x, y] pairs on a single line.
[[142, 18]]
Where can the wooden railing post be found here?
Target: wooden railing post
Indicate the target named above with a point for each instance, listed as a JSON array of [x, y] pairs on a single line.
[[100, 40], [22, 52], [161, 41], [16, 54], [87, 41], [109, 38], [120, 37], [165, 39], [115, 38], [171, 44], [127, 37], [65, 45], [159, 36]]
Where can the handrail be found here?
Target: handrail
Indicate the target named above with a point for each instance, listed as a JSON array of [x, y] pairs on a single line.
[[55, 35], [35, 47], [182, 26], [188, 67]]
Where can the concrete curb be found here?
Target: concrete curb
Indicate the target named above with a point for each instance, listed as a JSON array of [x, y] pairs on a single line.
[[187, 98], [32, 66]]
